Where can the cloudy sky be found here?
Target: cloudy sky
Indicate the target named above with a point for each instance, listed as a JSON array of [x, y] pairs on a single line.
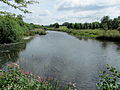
[[51, 11]]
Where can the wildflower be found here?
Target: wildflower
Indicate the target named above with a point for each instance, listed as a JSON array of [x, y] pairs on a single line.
[[40, 79], [8, 87], [13, 65], [27, 73], [74, 84]]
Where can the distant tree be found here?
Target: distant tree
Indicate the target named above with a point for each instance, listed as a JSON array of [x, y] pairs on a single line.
[[65, 24], [95, 25], [77, 26], [56, 25], [115, 23], [70, 25], [110, 24], [86, 25], [105, 22]]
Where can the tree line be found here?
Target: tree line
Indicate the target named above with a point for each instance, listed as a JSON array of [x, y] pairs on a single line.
[[106, 23]]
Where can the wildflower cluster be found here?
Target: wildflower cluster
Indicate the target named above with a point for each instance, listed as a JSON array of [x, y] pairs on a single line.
[[14, 78]]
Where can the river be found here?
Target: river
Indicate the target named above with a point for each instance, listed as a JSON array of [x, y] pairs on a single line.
[[64, 57]]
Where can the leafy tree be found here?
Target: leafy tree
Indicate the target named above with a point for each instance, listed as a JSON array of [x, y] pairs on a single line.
[[105, 22], [19, 4], [65, 24], [10, 30], [77, 26], [71, 25], [56, 25]]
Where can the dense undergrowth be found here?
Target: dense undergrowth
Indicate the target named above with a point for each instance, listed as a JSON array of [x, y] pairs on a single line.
[[13, 28], [109, 79], [14, 78], [36, 31]]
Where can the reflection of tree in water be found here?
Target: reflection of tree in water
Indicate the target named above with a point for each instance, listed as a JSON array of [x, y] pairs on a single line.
[[104, 44], [10, 53], [118, 46], [81, 38]]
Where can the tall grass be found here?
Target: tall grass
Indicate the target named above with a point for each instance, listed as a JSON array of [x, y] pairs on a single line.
[[112, 35]]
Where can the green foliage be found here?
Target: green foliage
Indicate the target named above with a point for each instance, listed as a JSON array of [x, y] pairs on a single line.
[[15, 78], [10, 30], [13, 28], [106, 24], [36, 31], [18, 4], [111, 35], [109, 79], [56, 25], [93, 25]]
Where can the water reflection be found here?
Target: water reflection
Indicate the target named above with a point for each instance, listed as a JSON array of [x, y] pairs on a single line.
[[67, 59], [10, 53]]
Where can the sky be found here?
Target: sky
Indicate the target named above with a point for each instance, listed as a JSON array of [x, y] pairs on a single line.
[[52, 11]]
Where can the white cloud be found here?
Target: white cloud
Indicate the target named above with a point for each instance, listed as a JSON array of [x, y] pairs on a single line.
[[90, 2], [51, 11]]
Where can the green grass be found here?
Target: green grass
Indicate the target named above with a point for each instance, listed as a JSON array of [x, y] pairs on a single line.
[[111, 35]]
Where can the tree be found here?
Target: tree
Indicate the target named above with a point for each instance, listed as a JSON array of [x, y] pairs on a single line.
[[56, 25], [77, 26], [10, 30], [19, 4], [110, 24], [65, 24], [105, 22], [71, 25]]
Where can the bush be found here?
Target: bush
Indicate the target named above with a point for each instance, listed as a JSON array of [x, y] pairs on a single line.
[[16, 79], [10, 30], [36, 31], [109, 79]]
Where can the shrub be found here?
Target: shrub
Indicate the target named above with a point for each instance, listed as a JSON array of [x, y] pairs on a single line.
[[109, 79], [10, 30]]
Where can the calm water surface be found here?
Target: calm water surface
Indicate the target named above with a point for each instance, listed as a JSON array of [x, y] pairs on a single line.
[[64, 57]]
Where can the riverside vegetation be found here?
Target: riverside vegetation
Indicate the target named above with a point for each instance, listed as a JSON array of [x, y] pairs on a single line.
[[107, 29], [14, 78], [13, 29]]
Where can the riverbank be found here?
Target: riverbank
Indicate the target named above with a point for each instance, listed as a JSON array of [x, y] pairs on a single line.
[[15, 78], [27, 36], [109, 35]]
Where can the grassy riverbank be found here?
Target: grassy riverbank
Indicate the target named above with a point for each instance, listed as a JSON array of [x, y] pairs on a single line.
[[15, 78], [111, 35]]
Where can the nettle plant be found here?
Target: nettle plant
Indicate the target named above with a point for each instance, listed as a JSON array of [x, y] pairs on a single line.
[[109, 79]]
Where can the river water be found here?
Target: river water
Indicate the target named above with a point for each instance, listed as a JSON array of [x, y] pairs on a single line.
[[64, 57]]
